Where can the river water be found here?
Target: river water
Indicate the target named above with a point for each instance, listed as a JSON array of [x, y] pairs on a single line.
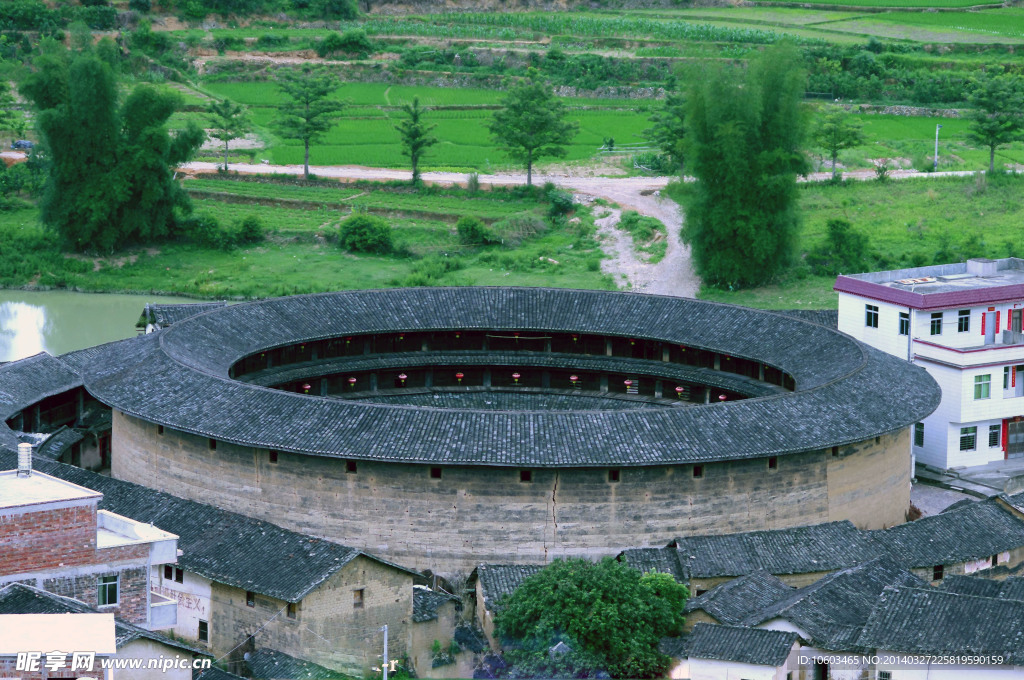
[[61, 321]]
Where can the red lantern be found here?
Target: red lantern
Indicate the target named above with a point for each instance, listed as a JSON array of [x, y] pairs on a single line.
[[348, 340], [351, 382], [306, 387], [722, 397], [459, 376], [575, 337], [402, 377], [515, 377], [458, 335], [632, 341], [401, 336], [574, 379], [628, 383]]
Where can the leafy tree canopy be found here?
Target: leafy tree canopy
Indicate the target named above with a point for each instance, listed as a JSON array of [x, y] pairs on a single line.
[[309, 112], [668, 132], [609, 614], [744, 133], [415, 135], [835, 131], [997, 118], [531, 124], [110, 178]]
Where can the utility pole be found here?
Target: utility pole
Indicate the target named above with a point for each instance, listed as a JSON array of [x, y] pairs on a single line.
[[385, 664], [936, 166]]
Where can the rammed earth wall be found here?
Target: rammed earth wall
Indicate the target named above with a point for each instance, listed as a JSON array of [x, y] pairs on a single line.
[[486, 514]]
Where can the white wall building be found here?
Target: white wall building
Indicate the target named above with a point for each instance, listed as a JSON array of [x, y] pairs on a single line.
[[192, 593], [963, 324]]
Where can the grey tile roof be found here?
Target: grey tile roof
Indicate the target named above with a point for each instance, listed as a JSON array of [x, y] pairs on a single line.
[[779, 551], [426, 602], [179, 378], [736, 600], [224, 546], [27, 381], [970, 532], [833, 610], [499, 580], [740, 645], [673, 646], [825, 317], [163, 314], [511, 401], [18, 598], [1009, 589], [270, 664], [933, 621], [59, 442], [659, 560]]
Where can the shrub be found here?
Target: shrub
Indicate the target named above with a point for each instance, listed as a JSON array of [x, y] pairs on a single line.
[[205, 230], [473, 232], [472, 182], [560, 202], [249, 230], [845, 250], [140, 5], [366, 234]]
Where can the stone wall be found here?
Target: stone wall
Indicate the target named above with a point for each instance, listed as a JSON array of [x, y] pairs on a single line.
[[328, 628], [479, 514]]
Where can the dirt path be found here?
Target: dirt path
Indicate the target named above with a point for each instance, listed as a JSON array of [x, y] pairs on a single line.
[[672, 276]]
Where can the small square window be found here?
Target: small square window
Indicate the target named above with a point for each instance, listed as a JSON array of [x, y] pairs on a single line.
[[292, 609], [250, 598], [993, 435], [204, 631], [904, 323], [968, 438], [698, 471], [357, 598], [773, 463], [963, 321], [168, 572], [273, 456], [918, 434], [614, 475], [871, 316], [159, 429], [526, 475], [936, 323], [213, 444], [107, 591], [938, 571], [179, 575], [835, 451], [435, 473], [350, 467]]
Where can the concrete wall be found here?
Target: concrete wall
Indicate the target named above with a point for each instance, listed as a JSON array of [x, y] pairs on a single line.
[[148, 649], [473, 515], [327, 629], [193, 596]]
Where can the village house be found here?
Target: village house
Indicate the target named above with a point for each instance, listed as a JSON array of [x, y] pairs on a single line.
[[152, 656], [491, 582], [718, 652], [962, 323], [242, 584], [54, 536]]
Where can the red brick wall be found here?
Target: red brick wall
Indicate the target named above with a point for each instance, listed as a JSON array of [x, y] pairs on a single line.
[[7, 670], [47, 540]]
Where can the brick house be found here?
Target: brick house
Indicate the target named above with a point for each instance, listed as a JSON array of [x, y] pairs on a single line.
[[54, 536]]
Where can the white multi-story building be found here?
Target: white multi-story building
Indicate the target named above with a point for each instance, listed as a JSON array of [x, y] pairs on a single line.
[[962, 323]]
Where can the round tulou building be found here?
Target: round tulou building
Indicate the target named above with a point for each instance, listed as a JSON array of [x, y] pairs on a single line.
[[448, 427]]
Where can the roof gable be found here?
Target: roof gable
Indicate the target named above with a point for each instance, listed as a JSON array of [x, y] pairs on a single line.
[[732, 602], [753, 646]]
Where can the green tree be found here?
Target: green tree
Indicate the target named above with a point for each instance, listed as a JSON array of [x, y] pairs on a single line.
[[835, 131], [416, 137], [309, 113], [110, 180], [228, 121], [610, 614], [996, 100], [744, 133], [669, 130], [531, 124]]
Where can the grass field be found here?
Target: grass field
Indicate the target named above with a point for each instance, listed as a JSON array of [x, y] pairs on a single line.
[[909, 223]]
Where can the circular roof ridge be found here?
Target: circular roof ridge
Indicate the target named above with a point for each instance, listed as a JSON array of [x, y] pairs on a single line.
[[846, 392]]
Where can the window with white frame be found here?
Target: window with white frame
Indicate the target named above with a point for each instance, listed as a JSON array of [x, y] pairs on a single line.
[[963, 321], [904, 323], [983, 386], [936, 324], [968, 438], [871, 316], [106, 591]]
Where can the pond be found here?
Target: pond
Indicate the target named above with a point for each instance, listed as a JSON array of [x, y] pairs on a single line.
[[62, 321]]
